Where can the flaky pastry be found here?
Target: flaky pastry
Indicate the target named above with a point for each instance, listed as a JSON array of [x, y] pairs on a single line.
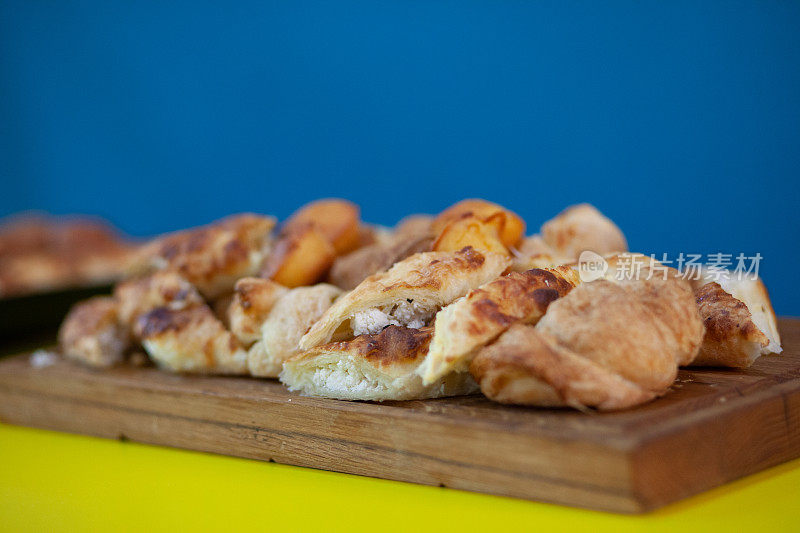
[[378, 367], [408, 294]]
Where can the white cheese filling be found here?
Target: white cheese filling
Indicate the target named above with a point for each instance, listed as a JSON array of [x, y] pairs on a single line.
[[407, 313]]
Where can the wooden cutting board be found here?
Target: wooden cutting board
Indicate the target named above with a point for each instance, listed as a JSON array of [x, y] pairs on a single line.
[[714, 426]]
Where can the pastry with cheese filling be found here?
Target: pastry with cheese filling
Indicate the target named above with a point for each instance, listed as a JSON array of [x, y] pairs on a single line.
[[408, 294], [381, 366]]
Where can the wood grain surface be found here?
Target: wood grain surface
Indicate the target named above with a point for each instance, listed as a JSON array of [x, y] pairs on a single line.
[[714, 426]]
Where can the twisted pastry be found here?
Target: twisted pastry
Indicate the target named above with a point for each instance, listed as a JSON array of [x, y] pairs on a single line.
[[475, 320], [605, 345]]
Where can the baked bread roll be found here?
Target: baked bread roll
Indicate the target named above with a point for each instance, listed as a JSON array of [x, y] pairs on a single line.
[[285, 324], [92, 334], [739, 320], [484, 313], [408, 294], [605, 345], [211, 257], [371, 367]]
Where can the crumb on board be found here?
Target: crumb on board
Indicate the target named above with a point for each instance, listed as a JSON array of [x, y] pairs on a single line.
[[43, 358]]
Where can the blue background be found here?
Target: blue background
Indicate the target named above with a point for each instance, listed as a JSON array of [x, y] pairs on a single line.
[[680, 120]]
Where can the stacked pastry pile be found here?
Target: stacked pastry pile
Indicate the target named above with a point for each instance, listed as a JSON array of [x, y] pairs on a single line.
[[437, 306]]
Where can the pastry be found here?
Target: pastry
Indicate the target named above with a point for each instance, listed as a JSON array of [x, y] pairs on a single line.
[[605, 345], [739, 320], [92, 334], [381, 366], [287, 321], [408, 294], [213, 257], [484, 313]]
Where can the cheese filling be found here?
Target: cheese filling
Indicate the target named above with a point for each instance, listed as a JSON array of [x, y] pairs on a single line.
[[407, 313]]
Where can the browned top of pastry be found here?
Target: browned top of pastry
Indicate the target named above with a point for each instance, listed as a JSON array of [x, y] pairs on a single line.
[[392, 346], [724, 315], [211, 257], [430, 271]]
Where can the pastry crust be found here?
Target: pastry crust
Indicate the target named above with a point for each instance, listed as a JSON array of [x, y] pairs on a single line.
[[211, 257], [576, 229], [605, 345], [484, 313], [582, 227], [138, 296], [253, 299], [287, 321], [91, 333], [176, 327], [528, 367], [190, 340], [739, 320], [408, 294], [371, 367]]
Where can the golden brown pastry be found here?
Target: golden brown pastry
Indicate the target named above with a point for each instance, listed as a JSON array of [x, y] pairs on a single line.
[[582, 227], [475, 320], [739, 320], [408, 294], [482, 234], [176, 327], [190, 340], [211, 257], [39, 253], [484, 313], [511, 227], [576, 229], [137, 296], [300, 257], [253, 300], [336, 219], [91, 333], [371, 367], [605, 345], [287, 321]]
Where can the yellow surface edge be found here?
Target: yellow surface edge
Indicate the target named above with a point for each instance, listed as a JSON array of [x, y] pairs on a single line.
[[53, 481]]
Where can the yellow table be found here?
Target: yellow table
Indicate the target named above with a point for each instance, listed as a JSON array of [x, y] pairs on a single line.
[[53, 481]]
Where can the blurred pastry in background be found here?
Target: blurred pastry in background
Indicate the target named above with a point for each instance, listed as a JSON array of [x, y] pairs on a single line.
[[41, 253]]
